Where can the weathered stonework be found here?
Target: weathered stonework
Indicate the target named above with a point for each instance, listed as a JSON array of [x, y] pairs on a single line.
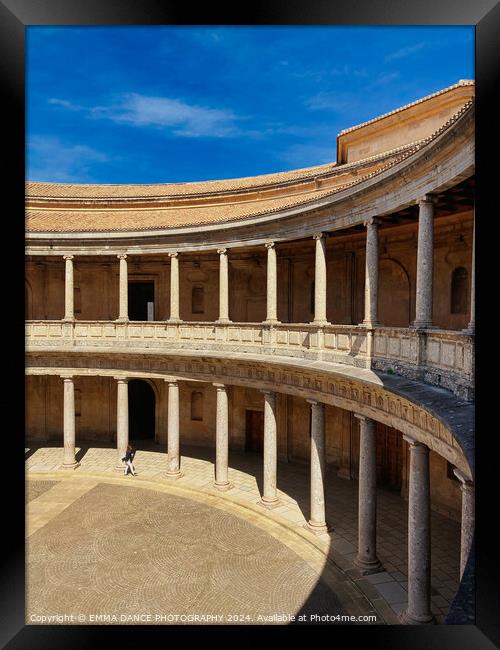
[[349, 285]]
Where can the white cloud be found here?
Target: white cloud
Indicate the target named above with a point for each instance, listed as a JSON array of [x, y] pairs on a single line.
[[405, 51], [385, 79], [49, 159], [333, 101], [178, 117]]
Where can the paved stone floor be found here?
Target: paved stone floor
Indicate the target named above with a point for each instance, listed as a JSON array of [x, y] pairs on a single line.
[[329, 556]]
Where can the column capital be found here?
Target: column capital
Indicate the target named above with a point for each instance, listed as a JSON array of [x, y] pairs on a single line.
[[171, 381], [269, 244], [372, 221], [320, 235], [363, 418], [66, 377], [68, 257], [221, 387], [466, 483], [122, 256], [122, 380], [175, 254], [314, 402], [416, 444], [427, 199], [267, 391], [222, 251]]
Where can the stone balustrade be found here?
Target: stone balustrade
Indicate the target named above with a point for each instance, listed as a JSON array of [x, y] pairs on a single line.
[[438, 357]]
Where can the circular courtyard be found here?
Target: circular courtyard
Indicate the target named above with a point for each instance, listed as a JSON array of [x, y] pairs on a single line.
[[116, 551]]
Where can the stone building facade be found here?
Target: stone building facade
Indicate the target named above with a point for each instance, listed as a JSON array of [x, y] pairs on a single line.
[[323, 315]]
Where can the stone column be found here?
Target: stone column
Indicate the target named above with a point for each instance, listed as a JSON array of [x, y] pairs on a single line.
[[69, 461], [173, 469], [425, 254], [269, 494], [121, 420], [366, 558], [468, 518], [320, 280], [472, 323], [272, 285], [222, 439], [317, 522], [174, 288], [371, 273], [69, 292], [123, 308], [223, 286], [419, 536]]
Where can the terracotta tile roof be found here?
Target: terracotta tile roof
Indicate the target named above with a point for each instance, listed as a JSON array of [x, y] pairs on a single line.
[[87, 216], [184, 213], [67, 190]]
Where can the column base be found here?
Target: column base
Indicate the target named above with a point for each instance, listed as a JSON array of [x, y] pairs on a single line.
[[271, 321], [223, 321], [68, 320], [223, 487], [269, 504], [70, 465], [469, 330], [122, 320], [174, 321], [407, 619], [318, 529], [370, 324], [368, 567], [174, 475], [320, 323], [422, 325]]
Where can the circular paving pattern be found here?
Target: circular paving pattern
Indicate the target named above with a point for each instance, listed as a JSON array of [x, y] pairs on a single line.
[[126, 551]]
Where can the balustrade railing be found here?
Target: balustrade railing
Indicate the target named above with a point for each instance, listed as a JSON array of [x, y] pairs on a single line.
[[440, 357]]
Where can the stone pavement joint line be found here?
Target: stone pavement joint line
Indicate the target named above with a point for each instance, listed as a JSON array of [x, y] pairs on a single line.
[[245, 472], [52, 502]]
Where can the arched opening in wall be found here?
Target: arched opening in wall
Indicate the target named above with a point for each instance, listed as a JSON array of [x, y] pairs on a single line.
[[141, 410], [459, 290], [28, 301], [394, 305], [198, 300], [389, 443]]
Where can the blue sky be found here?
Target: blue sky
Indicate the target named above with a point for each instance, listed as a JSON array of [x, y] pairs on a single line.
[[168, 104]]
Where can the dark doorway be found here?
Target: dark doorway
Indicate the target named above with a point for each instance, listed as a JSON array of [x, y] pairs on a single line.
[[141, 410], [389, 457], [139, 295], [254, 430]]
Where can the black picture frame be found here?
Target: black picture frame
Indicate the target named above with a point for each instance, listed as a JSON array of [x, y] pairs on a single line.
[[15, 15]]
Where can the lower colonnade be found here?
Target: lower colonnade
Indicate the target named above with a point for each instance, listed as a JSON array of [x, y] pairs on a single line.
[[366, 560]]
